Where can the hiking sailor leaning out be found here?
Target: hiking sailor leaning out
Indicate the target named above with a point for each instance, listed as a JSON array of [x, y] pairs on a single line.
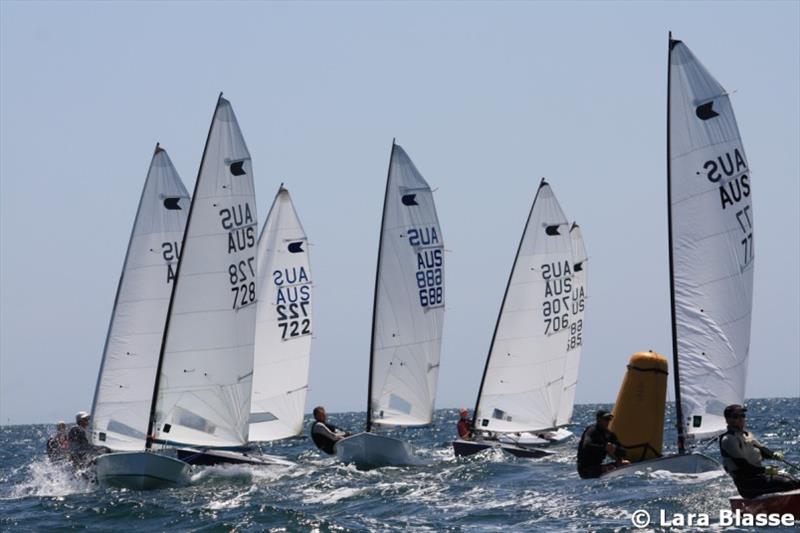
[[742, 455], [596, 443], [324, 434]]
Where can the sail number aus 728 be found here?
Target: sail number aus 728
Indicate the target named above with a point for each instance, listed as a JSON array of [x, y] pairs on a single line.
[[239, 222]]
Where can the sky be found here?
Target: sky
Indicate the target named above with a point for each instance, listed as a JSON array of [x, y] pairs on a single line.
[[486, 98]]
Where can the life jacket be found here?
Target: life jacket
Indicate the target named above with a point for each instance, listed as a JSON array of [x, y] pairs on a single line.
[[322, 441]]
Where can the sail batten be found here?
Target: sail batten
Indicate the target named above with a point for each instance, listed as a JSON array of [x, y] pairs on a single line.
[[202, 397], [409, 301], [712, 251], [283, 325], [121, 405], [523, 384]]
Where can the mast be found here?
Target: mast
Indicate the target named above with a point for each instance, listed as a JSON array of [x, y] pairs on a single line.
[[152, 420], [502, 305], [157, 150], [375, 300], [675, 373]]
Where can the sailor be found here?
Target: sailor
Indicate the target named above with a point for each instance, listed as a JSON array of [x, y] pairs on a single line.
[[464, 425], [57, 444], [742, 455], [324, 434], [596, 442], [80, 449]]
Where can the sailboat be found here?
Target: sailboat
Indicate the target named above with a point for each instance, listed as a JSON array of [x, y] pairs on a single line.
[[201, 394], [124, 389], [407, 320], [523, 384], [577, 306], [711, 258], [283, 325]]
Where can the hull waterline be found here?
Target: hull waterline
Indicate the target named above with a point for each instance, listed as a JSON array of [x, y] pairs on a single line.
[[688, 463], [222, 457], [368, 450], [140, 470], [463, 448]]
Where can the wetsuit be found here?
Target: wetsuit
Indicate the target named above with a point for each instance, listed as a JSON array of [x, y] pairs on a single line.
[[592, 451], [464, 428], [741, 457], [57, 447], [325, 436], [79, 447]]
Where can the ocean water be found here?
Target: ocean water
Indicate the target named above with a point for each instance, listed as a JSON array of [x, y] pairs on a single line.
[[491, 491]]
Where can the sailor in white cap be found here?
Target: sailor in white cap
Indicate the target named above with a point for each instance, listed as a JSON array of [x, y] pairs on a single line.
[[79, 446]]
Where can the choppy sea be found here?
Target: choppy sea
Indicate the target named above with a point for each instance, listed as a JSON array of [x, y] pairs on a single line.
[[491, 491]]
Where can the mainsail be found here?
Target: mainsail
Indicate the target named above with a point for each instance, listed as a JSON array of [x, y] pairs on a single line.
[[203, 389], [283, 325], [711, 245], [577, 308], [408, 313], [523, 381], [121, 406]]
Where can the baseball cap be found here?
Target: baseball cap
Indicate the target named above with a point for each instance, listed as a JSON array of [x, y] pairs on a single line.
[[602, 413]]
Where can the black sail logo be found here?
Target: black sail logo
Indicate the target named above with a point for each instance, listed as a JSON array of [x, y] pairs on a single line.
[[237, 168], [409, 199], [552, 230], [706, 111], [173, 203], [296, 247]]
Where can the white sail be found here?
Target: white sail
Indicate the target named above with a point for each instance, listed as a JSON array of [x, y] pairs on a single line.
[[283, 325], [121, 406], [577, 308], [712, 244], [524, 378], [207, 360], [409, 301]]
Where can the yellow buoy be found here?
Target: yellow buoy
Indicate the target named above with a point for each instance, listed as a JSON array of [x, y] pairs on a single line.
[[639, 409]]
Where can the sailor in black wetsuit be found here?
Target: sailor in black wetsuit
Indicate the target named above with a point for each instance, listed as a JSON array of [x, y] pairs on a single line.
[[324, 434], [742, 455], [596, 442], [80, 449], [58, 445]]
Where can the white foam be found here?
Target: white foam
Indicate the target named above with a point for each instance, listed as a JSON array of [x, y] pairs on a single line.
[[45, 479]]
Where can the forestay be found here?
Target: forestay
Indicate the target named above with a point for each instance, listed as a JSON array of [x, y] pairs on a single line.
[[283, 325], [712, 244], [121, 406], [409, 301], [207, 361], [524, 378], [577, 308]]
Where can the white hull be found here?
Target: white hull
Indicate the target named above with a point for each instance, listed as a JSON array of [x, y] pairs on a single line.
[[532, 439], [140, 470], [368, 450], [688, 463]]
